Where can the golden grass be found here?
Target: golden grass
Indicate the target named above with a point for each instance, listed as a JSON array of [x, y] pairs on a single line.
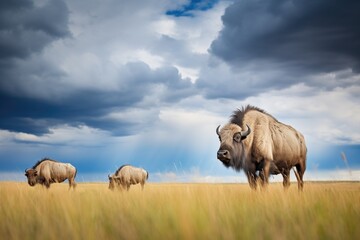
[[180, 211]]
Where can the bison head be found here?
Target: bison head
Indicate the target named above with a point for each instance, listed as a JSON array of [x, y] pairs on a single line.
[[31, 175], [113, 181], [231, 149]]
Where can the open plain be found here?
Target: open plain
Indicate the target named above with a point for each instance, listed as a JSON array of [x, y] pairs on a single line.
[[324, 210]]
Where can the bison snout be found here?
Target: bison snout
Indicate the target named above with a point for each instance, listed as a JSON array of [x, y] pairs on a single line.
[[223, 155]]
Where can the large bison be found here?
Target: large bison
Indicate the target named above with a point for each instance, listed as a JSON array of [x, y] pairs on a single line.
[[259, 144], [128, 175], [47, 171]]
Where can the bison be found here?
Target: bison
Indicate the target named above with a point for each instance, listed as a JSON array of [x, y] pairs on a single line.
[[47, 171], [259, 144], [128, 175]]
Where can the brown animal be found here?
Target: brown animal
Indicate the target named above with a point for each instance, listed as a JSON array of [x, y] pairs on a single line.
[[47, 171], [128, 175], [256, 142]]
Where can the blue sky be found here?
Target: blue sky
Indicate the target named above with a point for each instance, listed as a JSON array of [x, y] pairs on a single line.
[[147, 83]]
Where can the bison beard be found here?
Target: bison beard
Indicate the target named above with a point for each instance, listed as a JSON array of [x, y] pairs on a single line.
[[232, 157]]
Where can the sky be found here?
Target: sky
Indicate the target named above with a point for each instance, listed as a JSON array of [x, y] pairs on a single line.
[[104, 83]]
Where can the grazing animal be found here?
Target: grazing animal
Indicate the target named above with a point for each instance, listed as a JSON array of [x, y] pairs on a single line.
[[256, 142], [128, 175], [47, 171]]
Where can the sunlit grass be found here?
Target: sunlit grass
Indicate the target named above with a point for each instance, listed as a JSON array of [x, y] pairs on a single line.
[[180, 211]]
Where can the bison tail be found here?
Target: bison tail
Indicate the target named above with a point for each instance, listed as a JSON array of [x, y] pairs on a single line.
[[147, 175]]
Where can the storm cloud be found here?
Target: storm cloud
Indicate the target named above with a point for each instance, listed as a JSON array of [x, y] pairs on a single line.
[[315, 36], [135, 83], [53, 76], [273, 45], [26, 28]]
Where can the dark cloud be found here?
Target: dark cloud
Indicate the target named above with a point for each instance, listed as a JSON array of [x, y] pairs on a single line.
[[33, 111], [178, 51], [26, 28], [37, 94], [36, 116], [310, 36]]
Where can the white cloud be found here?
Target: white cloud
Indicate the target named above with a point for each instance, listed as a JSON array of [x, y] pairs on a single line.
[[134, 115], [165, 26], [81, 135], [195, 128], [186, 72], [330, 116]]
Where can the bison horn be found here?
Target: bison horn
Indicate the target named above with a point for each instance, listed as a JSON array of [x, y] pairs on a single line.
[[245, 133], [217, 130]]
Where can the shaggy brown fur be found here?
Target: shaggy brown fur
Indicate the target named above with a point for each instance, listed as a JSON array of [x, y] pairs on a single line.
[[238, 116], [42, 160], [48, 171], [128, 175], [119, 169], [271, 147]]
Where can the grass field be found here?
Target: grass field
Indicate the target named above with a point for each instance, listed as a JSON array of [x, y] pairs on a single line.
[[180, 211]]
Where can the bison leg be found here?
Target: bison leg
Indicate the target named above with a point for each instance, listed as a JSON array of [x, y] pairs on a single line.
[[120, 186], [300, 169], [266, 171], [286, 178], [264, 175], [47, 184], [127, 187], [252, 180], [72, 184], [262, 178]]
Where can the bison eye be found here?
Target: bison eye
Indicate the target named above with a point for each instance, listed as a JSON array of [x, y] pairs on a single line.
[[237, 137]]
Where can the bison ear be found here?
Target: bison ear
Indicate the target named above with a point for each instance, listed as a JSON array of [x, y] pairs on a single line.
[[35, 173]]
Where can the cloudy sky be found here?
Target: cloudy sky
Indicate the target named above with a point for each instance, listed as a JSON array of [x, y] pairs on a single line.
[[104, 83]]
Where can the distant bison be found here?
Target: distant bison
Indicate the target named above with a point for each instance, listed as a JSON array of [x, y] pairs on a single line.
[[128, 175], [255, 141], [47, 171]]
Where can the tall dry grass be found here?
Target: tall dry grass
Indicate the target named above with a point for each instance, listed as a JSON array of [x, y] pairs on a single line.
[[180, 211]]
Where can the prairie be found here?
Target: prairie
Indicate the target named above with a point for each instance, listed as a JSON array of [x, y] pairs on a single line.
[[324, 210]]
